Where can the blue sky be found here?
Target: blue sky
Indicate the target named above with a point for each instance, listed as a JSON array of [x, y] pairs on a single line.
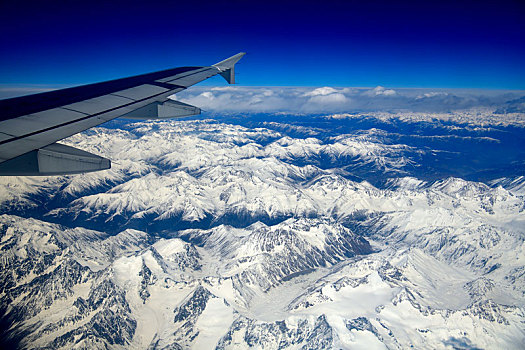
[[439, 44]]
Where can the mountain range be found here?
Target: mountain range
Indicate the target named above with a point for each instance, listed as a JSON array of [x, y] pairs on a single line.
[[273, 231]]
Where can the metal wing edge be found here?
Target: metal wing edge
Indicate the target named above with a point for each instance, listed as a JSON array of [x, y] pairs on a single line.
[[52, 158]]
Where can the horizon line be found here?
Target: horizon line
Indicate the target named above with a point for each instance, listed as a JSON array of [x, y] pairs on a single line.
[[21, 89]]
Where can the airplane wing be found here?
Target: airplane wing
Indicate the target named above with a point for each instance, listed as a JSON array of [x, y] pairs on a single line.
[[30, 126]]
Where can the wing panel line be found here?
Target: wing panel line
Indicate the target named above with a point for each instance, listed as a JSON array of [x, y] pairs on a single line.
[[96, 114], [77, 120], [128, 98], [73, 110], [24, 105]]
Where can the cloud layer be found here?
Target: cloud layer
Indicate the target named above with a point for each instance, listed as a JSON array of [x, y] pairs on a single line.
[[326, 99], [330, 99]]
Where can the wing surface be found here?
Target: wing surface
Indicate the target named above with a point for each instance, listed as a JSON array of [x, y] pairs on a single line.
[[31, 125]]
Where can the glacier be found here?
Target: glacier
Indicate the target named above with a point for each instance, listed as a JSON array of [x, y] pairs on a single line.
[[274, 231]]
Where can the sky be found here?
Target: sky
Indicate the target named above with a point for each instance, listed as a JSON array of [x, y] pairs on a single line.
[[431, 44]]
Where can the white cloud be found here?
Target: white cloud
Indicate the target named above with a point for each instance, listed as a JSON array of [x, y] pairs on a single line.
[[224, 88], [380, 91], [431, 94], [241, 99], [332, 98], [322, 91]]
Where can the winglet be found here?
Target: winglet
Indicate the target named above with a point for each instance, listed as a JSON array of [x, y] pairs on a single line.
[[227, 67]]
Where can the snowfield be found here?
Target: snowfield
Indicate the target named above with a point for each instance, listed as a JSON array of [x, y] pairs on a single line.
[[369, 232]]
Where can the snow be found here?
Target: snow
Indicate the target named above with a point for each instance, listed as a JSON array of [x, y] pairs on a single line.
[[213, 323], [363, 340], [167, 247], [447, 269]]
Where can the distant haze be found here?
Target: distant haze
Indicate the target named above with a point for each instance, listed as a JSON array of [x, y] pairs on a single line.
[[305, 100]]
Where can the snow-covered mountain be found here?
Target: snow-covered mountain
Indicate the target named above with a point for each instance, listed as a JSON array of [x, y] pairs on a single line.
[[286, 232]]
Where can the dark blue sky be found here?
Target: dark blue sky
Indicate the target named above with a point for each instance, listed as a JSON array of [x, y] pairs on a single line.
[[336, 43]]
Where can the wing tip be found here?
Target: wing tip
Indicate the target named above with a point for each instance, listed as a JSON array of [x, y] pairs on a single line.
[[227, 67], [230, 61]]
